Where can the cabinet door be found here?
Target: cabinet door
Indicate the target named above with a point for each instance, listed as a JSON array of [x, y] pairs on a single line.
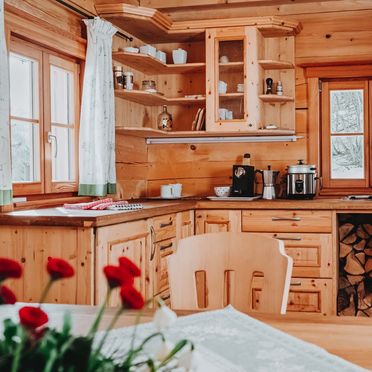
[[185, 224], [305, 295], [129, 239], [209, 221], [32, 245], [234, 79]]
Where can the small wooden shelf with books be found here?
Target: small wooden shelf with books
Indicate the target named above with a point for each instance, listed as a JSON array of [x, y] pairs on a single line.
[[150, 65]]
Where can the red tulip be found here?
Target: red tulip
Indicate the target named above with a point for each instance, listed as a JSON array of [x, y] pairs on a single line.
[[32, 317], [59, 268], [9, 269], [7, 297], [130, 266], [131, 298], [117, 276]]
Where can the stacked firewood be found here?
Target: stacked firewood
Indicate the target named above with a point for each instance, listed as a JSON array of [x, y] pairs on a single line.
[[355, 269]]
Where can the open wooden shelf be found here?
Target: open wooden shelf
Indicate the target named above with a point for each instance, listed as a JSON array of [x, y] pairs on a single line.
[[274, 98], [150, 65], [231, 66], [231, 96], [269, 64], [154, 99], [156, 133]]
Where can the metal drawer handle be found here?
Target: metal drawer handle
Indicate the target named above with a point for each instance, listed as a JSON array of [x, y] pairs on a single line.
[[166, 224], [286, 218], [297, 238], [166, 246], [152, 234], [165, 298], [296, 284]]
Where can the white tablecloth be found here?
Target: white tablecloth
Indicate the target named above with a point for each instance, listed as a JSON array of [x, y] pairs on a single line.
[[231, 341]]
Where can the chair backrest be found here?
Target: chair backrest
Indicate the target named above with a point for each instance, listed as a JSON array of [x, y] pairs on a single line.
[[237, 256]]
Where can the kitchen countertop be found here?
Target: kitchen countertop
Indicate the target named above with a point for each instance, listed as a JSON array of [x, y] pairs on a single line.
[[63, 217]]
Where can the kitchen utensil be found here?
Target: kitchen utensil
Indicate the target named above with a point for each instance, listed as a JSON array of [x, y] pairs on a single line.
[[222, 191], [148, 49], [165, 120], [222, 87], [161, 56], [179, 56], [269, 178], [301, 181], [243, 181]]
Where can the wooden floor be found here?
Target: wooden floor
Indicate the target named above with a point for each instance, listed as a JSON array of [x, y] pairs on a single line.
[[348, 337]]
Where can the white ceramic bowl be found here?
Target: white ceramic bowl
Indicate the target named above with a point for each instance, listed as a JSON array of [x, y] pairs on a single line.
[[222, 191], [131, 50]]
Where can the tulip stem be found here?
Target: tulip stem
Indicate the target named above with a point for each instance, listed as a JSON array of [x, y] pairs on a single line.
[[111, 325], [45, 292], [95, 324], [18, 351]]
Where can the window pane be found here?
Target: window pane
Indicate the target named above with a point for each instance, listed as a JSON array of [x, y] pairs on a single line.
[[23, 86], [347, 112], [61, 95], [347, 157], [63, 154], [25, 152]]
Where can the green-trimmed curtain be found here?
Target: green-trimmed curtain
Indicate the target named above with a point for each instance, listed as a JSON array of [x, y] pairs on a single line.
[[6, 194], [97, 175]]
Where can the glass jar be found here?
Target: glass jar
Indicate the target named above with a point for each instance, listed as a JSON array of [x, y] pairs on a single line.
[[149, 86], [118, 77]]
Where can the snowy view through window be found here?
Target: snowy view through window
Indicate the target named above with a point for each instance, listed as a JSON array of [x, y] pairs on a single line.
[[347, 127]]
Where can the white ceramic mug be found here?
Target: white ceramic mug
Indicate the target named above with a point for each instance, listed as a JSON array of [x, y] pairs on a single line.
[[179, 56], [222, 113], [177, 190], [222, 87], [166, 191], [229, 115], [224, 59], [148, 49]]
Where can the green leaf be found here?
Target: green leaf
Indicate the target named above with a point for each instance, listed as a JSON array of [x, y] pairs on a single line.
[[179, 346], [66, 329]]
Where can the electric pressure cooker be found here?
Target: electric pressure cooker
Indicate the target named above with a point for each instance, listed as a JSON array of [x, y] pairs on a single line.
[[301, 181]]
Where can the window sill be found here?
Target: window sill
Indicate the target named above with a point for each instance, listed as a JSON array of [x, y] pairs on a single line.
[[44, 203]]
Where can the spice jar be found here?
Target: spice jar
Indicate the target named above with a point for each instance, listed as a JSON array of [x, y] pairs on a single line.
[[149, 86], [128, 80], [118, 77]]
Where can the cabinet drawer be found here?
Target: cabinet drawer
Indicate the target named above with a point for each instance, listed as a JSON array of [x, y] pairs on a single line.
[[185, 224], [311, 253], [163, 250], [305, 295], [212, 221], [287, 221], [164, 227]]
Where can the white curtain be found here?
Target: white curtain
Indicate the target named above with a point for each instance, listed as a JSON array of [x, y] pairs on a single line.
[[5, 162], [97, 120]]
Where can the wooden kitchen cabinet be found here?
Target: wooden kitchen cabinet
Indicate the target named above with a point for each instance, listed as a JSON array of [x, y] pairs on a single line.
[[210, 221], [32, 245], [185, 224], [131, 239]]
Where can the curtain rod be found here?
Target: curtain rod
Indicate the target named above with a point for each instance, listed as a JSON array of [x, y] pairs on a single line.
[[79, 11]]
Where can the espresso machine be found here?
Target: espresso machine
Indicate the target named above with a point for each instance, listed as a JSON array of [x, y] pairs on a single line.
[[269, 180], [243, 178]]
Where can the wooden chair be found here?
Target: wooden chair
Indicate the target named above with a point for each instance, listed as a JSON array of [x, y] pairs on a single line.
[[229, 261]]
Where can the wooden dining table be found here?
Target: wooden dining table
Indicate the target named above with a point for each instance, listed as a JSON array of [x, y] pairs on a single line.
[[347, 337]]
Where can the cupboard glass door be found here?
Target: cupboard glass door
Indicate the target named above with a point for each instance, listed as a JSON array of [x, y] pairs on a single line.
[[230, 78]]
